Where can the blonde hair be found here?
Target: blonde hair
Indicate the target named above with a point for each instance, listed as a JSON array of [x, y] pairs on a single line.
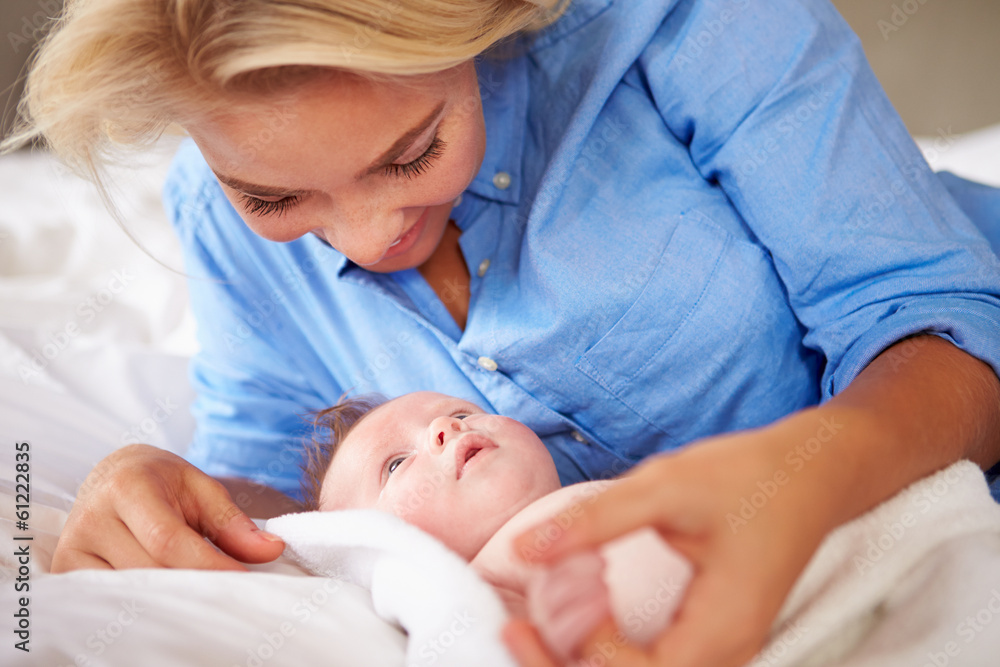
[[330, 428], [117, 74]]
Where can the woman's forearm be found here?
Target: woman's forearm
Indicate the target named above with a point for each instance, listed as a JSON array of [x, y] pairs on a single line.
[[918, 407]]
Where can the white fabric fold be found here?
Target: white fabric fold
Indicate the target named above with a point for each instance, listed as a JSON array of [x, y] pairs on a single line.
[[451, 616], [859, 582], [856, 595]]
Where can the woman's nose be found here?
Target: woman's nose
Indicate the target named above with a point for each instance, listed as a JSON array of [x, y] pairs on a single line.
[[443, 430], [363, 233]]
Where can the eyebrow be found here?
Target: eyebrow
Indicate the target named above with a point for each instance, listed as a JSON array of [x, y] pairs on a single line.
[[382, 161]]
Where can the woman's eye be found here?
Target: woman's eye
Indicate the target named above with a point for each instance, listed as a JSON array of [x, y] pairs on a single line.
[[255, 206], [418, 166], [261, 207]]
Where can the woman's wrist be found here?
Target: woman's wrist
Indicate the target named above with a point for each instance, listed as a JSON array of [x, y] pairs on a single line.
[[896, 423], [834, 458]]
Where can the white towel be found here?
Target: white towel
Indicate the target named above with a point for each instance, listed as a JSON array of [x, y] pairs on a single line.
[[451, 616], [890, 588], [893, 586]]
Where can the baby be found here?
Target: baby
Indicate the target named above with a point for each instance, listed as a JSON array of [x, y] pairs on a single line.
[[475, 481]]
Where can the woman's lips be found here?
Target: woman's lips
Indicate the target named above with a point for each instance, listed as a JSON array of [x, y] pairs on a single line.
[[409, 238]]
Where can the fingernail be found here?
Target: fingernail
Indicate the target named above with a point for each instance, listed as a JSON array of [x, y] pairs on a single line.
[[270, 537]]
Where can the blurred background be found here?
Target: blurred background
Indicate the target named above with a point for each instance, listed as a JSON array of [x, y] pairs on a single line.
[[937, 59]]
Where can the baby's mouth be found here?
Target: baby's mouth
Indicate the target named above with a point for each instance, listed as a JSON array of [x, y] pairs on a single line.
[[468, 449], [468, 457]]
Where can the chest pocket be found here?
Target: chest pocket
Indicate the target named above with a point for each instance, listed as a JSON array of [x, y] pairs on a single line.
[[673, 358]]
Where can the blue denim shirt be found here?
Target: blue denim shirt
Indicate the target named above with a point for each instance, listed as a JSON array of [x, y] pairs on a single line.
[[714, 218]]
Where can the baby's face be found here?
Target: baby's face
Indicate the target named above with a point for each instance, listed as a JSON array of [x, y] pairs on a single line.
[[442, 464]]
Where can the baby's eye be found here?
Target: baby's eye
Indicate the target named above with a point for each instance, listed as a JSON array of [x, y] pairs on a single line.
[[394, 463], [461, 415]]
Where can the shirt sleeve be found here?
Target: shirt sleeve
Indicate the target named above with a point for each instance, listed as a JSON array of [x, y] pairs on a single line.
[[778, 105], [251, 398]]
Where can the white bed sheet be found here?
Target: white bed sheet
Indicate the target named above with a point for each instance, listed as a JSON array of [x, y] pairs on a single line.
[[94, 342], [95, 337]]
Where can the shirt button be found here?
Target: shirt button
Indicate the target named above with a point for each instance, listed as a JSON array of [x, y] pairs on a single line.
[[483, 267], [487, 364], [578, 437], [501, 180]]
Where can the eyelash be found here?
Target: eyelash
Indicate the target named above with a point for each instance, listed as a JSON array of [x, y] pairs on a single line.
[[256, 206], [388, 464], [421, 164]]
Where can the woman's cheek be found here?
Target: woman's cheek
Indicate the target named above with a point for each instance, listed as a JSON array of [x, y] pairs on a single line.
[[465, 151], [264, 229], [449, 180]]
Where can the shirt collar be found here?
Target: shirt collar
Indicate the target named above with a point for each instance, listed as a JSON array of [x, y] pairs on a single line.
[[503, 87], [578, 14]]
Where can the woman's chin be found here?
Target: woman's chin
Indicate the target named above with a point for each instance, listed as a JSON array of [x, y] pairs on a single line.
[[422, 250], [409, 260]]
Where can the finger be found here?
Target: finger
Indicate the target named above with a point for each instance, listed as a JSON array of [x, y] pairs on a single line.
[[606, 645], [224, 523], [69, 559], [635, 501], [164, 534], [120, 550], [713, 627], [523, 641]]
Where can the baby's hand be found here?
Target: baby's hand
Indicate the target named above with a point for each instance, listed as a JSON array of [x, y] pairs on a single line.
[[568, 601], [514, 601]]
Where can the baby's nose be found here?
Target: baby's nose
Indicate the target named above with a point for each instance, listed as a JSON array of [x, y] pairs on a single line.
[[442, 430]]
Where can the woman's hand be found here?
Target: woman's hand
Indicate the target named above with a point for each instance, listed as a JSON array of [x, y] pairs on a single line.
[[744, 508], [146, 507], [749, 509]]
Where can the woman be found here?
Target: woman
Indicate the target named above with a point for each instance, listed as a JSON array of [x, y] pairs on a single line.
[[634, 226]]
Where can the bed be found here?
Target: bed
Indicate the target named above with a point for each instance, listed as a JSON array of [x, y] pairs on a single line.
[[95, 334]]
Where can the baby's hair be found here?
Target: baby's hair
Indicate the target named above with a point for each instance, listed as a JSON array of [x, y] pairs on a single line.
[[330, 428]]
